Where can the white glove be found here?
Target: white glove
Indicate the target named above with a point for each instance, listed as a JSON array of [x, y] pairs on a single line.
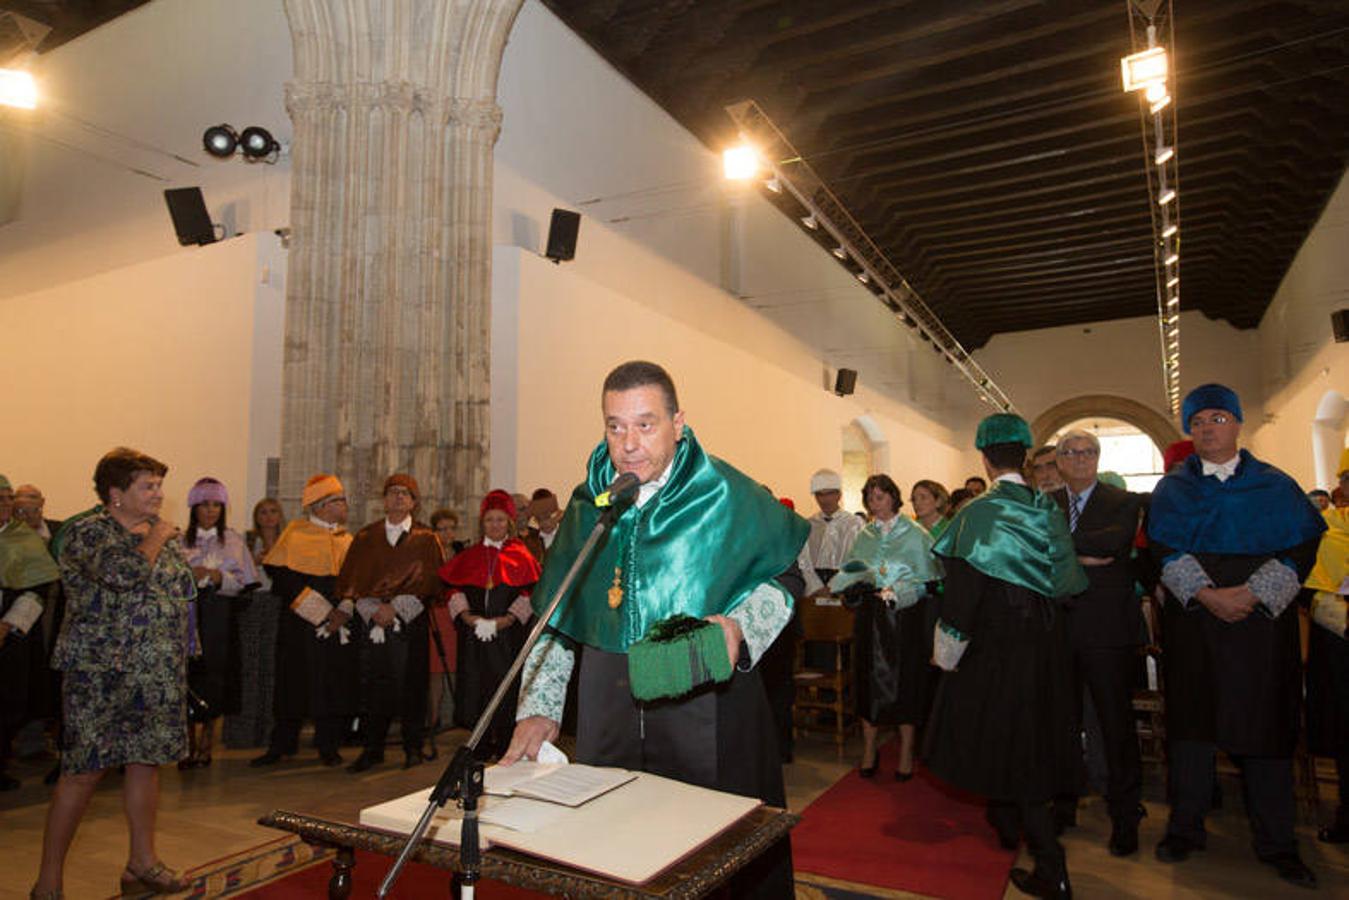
[[376, 634], [485, 629]]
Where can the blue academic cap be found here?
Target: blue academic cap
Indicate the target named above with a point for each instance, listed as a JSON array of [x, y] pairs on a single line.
[[1209, 396]]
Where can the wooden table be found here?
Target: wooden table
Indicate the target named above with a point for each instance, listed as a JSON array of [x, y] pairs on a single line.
[[694, 876]]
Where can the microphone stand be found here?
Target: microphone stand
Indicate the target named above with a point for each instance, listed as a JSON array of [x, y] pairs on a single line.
[[463, 777]]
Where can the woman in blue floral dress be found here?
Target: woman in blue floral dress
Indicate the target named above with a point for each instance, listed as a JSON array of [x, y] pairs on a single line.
[[122, 648]]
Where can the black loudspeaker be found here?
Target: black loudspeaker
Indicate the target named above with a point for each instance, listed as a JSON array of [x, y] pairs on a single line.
[[562, 235], [1339, 321], [845, 381], [190, 218]]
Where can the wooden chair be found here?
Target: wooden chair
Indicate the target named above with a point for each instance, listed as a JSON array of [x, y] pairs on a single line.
[[824, 694], [1149, 704]]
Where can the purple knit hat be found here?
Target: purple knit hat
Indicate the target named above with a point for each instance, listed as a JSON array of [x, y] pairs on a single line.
[[208, 489]]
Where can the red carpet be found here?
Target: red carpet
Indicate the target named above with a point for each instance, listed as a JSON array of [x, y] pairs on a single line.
[[918, 836], [417, 881]]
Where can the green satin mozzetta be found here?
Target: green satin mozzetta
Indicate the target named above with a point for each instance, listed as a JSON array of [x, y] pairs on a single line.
[[903, 555], [699, 547], [1017, 535], [24, 560]]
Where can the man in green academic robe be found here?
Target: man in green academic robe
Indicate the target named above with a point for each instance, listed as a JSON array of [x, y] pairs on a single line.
[[1003, 721], [702, 541]]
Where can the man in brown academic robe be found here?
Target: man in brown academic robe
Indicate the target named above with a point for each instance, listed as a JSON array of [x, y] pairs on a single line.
[[390, 576]]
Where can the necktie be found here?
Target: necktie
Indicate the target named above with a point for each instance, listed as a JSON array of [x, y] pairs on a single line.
[[1074, 510]]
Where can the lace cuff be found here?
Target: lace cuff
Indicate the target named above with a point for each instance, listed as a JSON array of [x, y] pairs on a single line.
[[543, 681], [24, 612], [521, 609], [1184, 577], [458, 605], [763, 615], [407, 607], [1275, 585], [948, 646], [366, 606], [1331, 612], [347, 608]]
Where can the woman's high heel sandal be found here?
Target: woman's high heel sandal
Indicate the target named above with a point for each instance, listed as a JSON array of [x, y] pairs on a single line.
[[158, 879]]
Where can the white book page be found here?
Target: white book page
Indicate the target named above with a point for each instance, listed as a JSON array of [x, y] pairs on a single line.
[[574, 784], [504, 780]]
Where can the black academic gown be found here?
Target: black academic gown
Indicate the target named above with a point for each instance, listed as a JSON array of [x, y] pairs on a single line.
[[1002, 724], [1236, 684], [481, 665], [892, 650], [24, 693], [315, 678]]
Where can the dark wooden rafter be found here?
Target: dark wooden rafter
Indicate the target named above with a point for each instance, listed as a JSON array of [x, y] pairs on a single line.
[[989, 151]]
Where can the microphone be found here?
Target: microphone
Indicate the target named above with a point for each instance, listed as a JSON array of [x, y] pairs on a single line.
[[621, 489]]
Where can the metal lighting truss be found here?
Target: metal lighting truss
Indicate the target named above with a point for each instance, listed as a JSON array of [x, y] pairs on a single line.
[[1157, 118], [825, 213]]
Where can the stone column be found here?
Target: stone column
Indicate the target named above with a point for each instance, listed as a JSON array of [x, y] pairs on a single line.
[[388, 299]]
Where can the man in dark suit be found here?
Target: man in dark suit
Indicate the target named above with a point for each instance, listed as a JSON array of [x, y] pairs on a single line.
[[1105, 623], [545, 514]]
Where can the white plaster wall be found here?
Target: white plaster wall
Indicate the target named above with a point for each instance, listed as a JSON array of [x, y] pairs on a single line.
[[1047, 366], [1299, 358], [158, 356], [158, 76], [760, 417]]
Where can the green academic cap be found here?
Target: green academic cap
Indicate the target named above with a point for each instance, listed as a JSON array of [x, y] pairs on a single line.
[[1114, 479], [1003, 428]]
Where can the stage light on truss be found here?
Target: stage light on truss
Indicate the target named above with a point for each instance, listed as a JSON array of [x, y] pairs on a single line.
[[1173, 318], [1173, 301], [810, 222], [1164, 154], [839, 252], [1155, 92], [740, 163], [1160, 104], [1170, 230], [1145, 68], [864, 277], [17, 89], [773, 185], [1172, 259], [1166, 196], [1173, 281]]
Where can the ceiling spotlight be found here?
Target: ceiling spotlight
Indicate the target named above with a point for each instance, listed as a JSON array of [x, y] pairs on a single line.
[[257, 143], [220, 140], [840, 252], [1141, 70], [740, 163], [1173, 318], [863, 277], [1173, 281], [1166, 196], [17, 89], [773, 185], [1160, 104], [1174, 301], [1170, 230], [1165, 154], [811, 222], [1172, 259]]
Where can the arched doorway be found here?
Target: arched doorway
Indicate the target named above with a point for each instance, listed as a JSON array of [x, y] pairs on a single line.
[[864, 453], [1105, 406], [1328, 432]]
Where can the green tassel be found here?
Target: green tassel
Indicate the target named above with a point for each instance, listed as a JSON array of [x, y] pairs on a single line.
[[677, 655]]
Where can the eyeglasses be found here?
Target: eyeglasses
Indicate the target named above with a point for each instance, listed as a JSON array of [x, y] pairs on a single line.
[[1215, 419], [1085, 451]]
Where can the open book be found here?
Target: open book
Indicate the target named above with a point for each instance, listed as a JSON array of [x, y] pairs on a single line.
[[568, 784]]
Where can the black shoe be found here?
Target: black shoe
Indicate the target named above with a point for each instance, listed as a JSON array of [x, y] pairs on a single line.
[[1037, 884], [8, 782], [366, 760], [867, 771], [1065, 817], [270, 758], [1292, 869], [1173, 848], [331, 759], [1123, 839], [412, 758], [1334, 834]]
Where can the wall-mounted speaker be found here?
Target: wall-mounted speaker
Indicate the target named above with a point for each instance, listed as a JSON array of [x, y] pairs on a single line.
[[845, 381], [562, 232], [1339, 321], [187, 208]]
